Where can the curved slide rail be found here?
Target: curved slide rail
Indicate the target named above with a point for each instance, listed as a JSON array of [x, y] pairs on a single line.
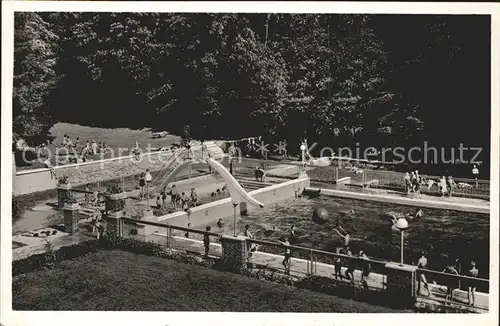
[[238, 194]]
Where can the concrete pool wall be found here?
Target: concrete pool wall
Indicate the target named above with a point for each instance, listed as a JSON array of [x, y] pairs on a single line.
[[211, 212], [438, 203]]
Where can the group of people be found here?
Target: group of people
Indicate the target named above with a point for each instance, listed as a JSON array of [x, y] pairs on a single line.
[[177, 199], [413, 182], [87, 149], [450, 283]]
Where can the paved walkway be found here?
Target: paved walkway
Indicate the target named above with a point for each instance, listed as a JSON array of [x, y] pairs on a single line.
[[460, 204], [299, 267]]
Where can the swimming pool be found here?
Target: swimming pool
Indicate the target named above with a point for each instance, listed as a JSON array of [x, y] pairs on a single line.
[[440, 232]]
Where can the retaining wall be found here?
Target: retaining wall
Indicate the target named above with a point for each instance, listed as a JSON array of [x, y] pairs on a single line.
[[211, 212]]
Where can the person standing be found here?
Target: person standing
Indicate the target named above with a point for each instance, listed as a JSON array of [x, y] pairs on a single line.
[[94, 147], [193, 197], [407, 180], [365, 268], [422, 264], [351, 266], [293, 236], [475, 173], [443, 186], [174, 194], [451, 185], [249, 235], [471, 286]]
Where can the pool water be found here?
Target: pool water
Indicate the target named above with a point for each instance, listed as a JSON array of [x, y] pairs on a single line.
[[441, 232]]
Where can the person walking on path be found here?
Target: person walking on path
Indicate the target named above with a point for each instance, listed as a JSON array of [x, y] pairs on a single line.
[[450, 183], [422, 280], [450, 282]]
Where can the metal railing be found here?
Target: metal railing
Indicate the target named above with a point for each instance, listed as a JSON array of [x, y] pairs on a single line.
[[171, 236], [313, 262], [391, 180]]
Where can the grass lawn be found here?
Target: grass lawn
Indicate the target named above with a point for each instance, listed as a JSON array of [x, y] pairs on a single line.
[[118, 280]]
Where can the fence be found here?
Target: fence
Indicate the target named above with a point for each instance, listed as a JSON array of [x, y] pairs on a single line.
[[312, 262], [391, 180], [314, 258]]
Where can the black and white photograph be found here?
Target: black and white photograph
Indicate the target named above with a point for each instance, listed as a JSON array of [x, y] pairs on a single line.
[[272, 160]]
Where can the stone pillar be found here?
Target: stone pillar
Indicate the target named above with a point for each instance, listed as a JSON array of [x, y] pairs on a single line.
[[114, 223], [71, 218], [401, 284], [234, 252], [63, 193], [145, 229]]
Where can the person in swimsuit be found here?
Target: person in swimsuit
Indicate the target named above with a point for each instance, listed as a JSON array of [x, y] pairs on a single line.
[[174, 194], [250, 248], [96, 224], [220, 224], [193, 197], [288, 255], [422, 263], [142, 184], [471, 286], [451, 283], [365, 267], [443, 186], [351, 266], [407, 179], [184, 201], [187, 232], [163, 196], [337, 272], [343, 234], [293, 236]]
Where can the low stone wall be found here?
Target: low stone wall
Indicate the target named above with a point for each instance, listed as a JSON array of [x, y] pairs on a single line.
[[211, 212]]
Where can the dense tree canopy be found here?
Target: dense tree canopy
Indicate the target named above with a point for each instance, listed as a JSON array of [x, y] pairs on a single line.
[[336, 79]]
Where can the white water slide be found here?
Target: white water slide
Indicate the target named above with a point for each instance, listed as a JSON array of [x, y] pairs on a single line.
[[238, 194]]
